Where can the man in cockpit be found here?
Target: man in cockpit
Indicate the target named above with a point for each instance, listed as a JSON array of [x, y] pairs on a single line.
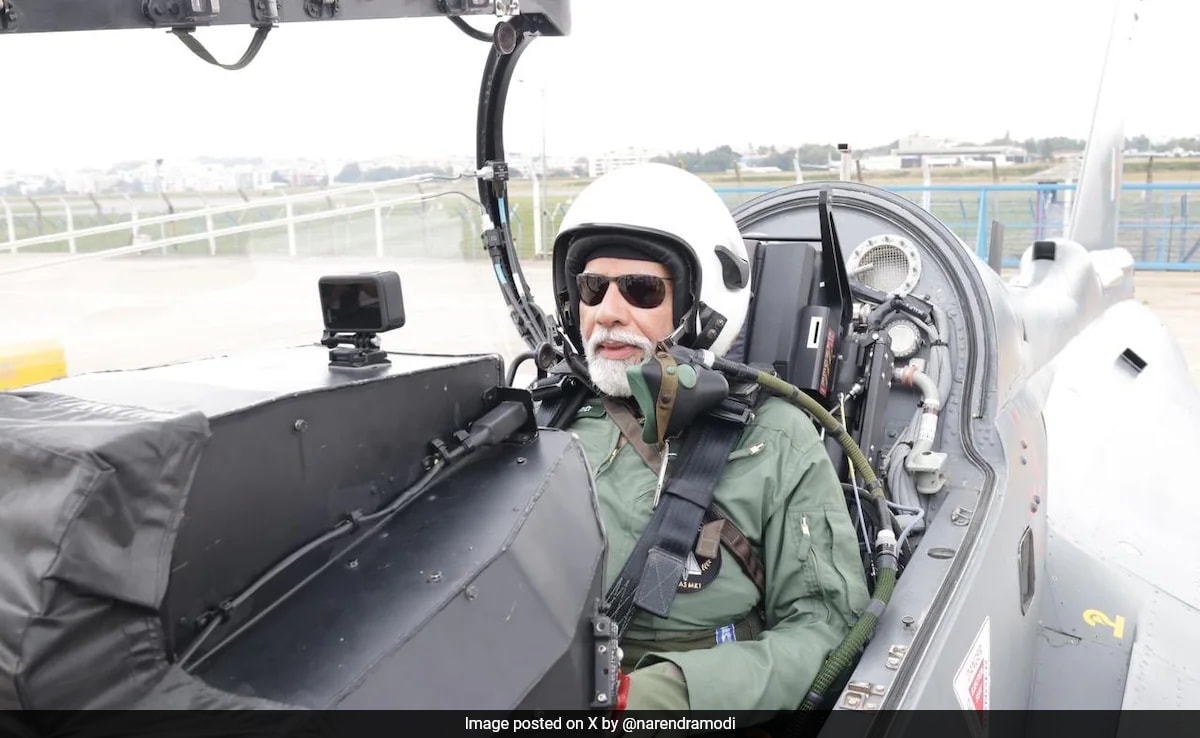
[[638, 260]]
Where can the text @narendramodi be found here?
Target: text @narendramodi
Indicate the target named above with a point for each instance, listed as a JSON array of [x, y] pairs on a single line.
[[604, 723]]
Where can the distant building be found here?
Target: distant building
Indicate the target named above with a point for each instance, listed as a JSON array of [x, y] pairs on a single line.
[[251, 179], [83, 182], [881, 163], [613, 160], [915, 151]]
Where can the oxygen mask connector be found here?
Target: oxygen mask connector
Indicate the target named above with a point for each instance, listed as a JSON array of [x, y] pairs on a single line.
[[673, 387]]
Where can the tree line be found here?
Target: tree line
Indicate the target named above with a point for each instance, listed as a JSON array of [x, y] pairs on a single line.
[[723, 158]]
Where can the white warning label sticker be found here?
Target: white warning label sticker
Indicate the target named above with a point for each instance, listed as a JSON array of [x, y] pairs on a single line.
[[973, 680]]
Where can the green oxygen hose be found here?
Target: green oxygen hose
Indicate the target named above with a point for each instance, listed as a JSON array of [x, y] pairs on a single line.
[[886, 561]]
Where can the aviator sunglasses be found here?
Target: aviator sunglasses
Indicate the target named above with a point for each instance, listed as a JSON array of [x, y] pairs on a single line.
[[640, 290]]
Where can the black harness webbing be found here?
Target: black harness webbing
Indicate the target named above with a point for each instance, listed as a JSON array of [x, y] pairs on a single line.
[[651, 575], [650, 578], [546, 413], [724, 532], [559, 408]]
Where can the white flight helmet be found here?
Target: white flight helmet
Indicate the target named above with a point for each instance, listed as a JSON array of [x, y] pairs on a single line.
[[661, 213]]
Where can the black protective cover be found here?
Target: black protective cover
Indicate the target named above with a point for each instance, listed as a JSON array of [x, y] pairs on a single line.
[[133, 502], [91, 496]]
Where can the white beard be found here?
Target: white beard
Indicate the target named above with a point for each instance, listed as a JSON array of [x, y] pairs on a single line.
[[609, 374]]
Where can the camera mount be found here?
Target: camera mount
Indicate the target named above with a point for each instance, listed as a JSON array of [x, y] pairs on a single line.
[[365, 349]]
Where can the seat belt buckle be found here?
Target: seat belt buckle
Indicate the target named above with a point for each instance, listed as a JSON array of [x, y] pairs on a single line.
[[660, 581]]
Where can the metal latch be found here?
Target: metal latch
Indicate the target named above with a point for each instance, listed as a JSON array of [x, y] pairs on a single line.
[[895, 656], [498, 8], [265, 11], [8, 15], [184, 14], [467, 7], [863, 696], [606, 655], [318, 8]]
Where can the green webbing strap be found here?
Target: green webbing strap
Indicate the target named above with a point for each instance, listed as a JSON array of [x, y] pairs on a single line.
[[260, 34]]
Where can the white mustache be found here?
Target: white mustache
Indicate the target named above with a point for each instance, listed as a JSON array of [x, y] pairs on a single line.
[[617, 335], [609, 374]]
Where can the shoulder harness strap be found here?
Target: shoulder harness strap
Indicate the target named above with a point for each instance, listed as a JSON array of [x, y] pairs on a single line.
[[719, 528], [651, 575]]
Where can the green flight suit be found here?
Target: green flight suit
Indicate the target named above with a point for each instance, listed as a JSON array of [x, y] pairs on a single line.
[[780, 488]]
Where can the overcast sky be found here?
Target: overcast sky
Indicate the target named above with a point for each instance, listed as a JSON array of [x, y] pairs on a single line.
[[650, 73]]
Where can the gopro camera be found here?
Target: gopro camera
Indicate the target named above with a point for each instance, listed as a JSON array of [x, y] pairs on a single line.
[[355, 308], [361, 303]]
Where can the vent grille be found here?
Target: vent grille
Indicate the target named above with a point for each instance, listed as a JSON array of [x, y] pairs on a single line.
[[889, 264]]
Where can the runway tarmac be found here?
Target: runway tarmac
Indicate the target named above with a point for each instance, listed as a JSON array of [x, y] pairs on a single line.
[[130, 312]]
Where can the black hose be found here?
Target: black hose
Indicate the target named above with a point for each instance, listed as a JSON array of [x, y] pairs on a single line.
[[875, 317], [522, 357], [465, 27], [896, 316], [870, 522]]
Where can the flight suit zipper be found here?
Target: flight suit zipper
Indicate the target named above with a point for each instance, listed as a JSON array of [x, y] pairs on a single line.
[[812, 550], [605, 464]]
